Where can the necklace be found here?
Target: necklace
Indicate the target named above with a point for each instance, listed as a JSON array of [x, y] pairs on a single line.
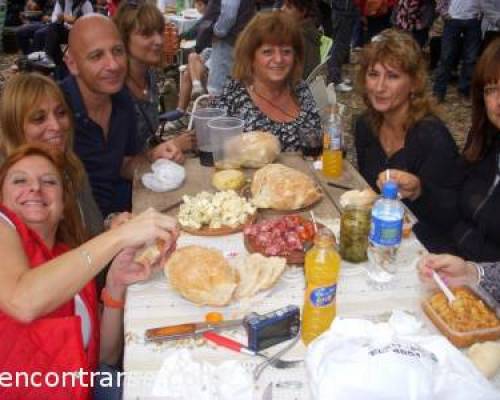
[[143, 89], [269, 102]]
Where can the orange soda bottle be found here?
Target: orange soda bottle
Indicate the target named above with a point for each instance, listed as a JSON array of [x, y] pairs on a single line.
[[332, 149], [322, 265]]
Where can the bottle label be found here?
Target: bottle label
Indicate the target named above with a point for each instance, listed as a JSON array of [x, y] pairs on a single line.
[[323, 296], [334, 138], [386, 233]]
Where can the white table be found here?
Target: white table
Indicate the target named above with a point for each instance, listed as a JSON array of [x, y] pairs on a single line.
[[155, 303]]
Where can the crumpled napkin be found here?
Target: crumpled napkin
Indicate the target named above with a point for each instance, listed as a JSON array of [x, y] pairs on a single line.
[[166, 175], [182, 378]]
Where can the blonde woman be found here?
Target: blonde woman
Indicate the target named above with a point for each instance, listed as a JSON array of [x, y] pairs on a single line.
[[33, 110], [400, 136]]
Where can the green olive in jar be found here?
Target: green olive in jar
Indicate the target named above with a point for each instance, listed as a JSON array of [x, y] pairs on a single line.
[[354, 230]]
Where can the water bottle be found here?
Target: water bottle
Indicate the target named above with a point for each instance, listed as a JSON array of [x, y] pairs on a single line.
[[332, 148], [385, 235], [322, 264]]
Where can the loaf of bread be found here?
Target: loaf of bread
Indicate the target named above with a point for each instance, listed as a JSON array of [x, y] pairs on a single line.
[[282, 188], [257, 272], [204, 276], [254, 149], [201, 275]]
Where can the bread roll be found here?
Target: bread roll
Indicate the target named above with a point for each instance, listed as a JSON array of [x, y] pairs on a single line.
[[486, 357], [283, 188], [201, 275], [254, 149], [358, 198], [150, 254]]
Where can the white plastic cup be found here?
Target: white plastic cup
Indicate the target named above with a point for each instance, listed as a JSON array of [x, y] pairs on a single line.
[[221, 131], [201, 117]]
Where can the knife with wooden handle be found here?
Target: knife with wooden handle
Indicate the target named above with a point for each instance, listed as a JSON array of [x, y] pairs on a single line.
[[174, 332]]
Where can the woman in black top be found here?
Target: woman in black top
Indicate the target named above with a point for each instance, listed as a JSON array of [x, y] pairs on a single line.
[[400, 136], [477, 234]]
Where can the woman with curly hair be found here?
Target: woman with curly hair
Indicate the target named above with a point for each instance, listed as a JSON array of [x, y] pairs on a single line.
[[267, 91], [400, 137]]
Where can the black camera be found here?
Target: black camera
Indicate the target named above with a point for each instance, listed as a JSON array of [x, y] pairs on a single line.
[[272, 328]]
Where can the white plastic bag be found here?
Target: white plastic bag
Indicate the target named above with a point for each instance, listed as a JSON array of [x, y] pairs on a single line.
[[166, 175], [360, 360]]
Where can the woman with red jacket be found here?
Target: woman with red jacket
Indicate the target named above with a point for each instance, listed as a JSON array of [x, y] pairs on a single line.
[[50, 327]]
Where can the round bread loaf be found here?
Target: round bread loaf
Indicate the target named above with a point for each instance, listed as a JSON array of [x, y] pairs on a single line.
[[201, 275], [282, 188]]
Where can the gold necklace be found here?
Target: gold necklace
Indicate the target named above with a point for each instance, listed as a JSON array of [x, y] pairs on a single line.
[[269, 102]]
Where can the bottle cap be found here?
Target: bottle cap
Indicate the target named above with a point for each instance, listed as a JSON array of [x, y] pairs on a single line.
[[390, 190]]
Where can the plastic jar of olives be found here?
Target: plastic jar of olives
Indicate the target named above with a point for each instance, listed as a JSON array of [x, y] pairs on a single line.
[[354, 230]]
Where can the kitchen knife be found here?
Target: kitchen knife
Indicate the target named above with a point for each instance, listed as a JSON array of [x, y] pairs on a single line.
[[174, 332]]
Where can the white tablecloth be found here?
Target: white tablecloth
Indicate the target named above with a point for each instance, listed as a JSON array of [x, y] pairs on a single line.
[[155, 304]]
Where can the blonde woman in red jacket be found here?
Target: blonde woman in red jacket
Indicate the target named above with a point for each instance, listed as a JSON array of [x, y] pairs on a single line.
[[50, 327]]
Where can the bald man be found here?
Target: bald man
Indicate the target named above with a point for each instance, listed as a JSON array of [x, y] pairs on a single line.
[[105, 119]]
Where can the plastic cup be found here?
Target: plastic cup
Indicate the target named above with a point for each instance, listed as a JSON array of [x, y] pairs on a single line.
[[222, 131], [201, 117]]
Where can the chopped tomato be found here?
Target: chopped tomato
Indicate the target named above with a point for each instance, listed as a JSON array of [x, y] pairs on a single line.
[[309, 230]]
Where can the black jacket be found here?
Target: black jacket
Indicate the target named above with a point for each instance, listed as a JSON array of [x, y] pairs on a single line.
[[431, 154], [477, 234]]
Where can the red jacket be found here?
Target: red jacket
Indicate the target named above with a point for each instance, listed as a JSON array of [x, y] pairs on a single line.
[[52, 343], [366, 7]]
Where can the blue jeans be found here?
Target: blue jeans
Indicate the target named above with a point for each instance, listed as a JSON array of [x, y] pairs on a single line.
[[26, 33], [456, 30], [113, 386], [221, 63]]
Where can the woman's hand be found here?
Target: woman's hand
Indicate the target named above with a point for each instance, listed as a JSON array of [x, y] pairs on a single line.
[[409, 184], [125, 270], [168, 150], [114, 220], [147, 227], [186, 141], [454, 270]]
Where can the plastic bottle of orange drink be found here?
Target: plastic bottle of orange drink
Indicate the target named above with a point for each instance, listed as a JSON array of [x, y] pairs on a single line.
[[322, 264], [332, 148]]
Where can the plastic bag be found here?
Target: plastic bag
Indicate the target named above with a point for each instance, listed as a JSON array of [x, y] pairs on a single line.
[[359, 360], [166, 175]]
